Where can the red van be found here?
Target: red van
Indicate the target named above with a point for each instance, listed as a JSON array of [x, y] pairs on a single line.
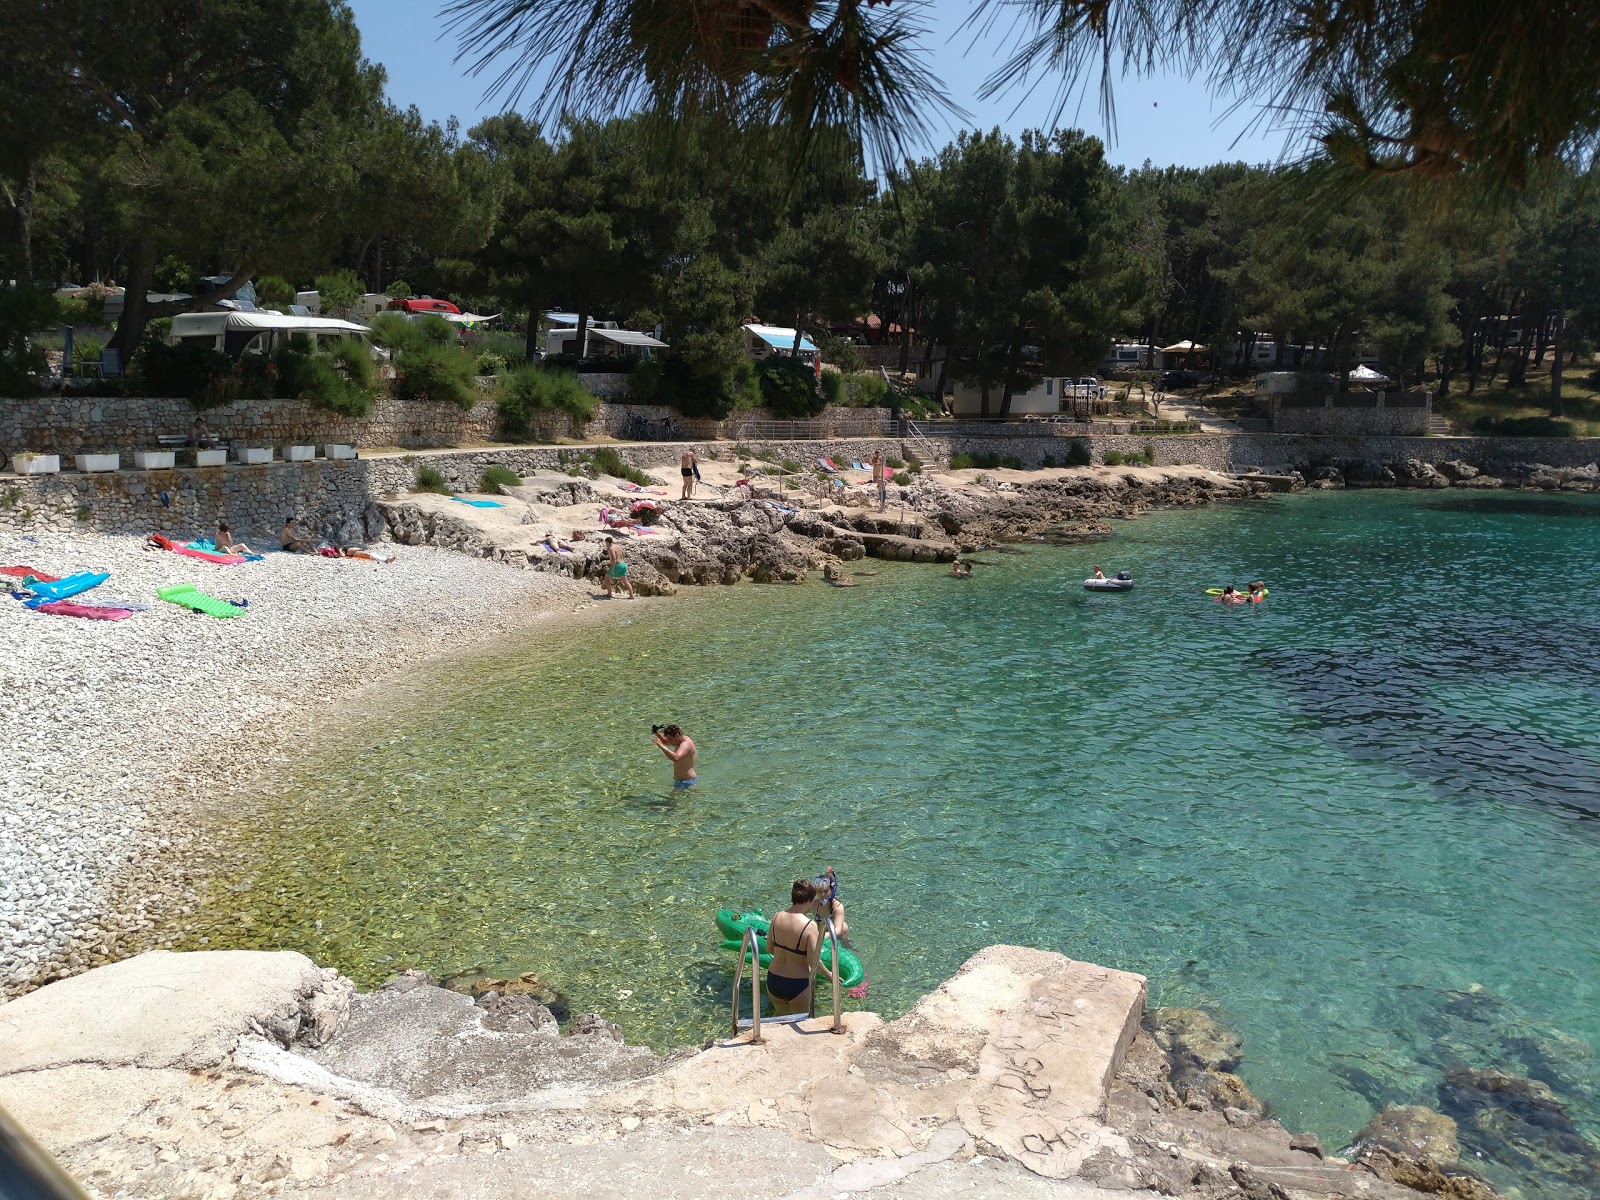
[[422, 304]]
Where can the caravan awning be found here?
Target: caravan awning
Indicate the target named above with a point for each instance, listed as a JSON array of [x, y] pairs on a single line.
[[626, 337], [780, 338], [264, 321]]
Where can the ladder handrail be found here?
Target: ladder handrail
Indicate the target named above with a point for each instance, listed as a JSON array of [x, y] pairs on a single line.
[[838, 1021], [751, 943]]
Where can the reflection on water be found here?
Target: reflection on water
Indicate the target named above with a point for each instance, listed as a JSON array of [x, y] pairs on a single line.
[[1322, 817]]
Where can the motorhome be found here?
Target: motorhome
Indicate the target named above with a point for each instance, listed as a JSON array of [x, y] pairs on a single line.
[[240, 333], [1130, 356], [605, 341]]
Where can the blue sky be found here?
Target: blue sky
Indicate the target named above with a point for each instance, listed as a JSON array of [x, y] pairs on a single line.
[[1166, 120]]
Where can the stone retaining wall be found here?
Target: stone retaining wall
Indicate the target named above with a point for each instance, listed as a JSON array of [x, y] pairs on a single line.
[[334, 496], [69, 425]]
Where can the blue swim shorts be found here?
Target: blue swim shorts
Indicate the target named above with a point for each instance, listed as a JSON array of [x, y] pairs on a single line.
[[679, 785]]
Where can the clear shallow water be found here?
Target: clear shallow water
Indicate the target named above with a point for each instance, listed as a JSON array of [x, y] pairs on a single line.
[[1329, 819]]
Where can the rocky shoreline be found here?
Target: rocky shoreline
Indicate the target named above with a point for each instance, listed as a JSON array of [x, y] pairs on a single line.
[[241, 1074]]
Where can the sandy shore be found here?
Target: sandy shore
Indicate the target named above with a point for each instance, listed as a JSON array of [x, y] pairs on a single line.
[[111, 722]]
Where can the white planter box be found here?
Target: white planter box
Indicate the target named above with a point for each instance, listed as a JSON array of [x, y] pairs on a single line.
[[254, 455], [210, 458], [154, 460], [339, 451], [97, 462], [36, 464], [299, 453]]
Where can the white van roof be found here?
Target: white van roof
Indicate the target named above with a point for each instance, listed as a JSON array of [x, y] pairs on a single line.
[[262, 321]]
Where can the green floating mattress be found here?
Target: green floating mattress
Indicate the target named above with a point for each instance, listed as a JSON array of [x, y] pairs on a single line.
[[189, 596]]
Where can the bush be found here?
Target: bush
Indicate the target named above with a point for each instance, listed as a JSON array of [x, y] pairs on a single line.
[[789, 388], [274, 291], [1113, 458], [491, 364], [670, 381], [530, 392], [833, 389], [903, 478], [606, 462], [1522, 427], [495, 480], [868, 391], [430, 480], [340, 291], [186, 371], [841, 353], [895, 463], [395, 333], [342, 378], [789, 465], [1078, 455], [961, 462], [439, 373]]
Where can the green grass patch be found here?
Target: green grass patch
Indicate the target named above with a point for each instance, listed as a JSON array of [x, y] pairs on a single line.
[[1078, 455], [607, 462], [962, 462], [429, 479], [1503, 411], [495, 480], [789, 465]]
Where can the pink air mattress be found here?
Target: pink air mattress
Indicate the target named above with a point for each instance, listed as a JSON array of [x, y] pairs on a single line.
[[66, 608], [226, 559]]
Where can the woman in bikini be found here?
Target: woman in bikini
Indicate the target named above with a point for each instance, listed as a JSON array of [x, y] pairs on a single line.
[[795, 943]]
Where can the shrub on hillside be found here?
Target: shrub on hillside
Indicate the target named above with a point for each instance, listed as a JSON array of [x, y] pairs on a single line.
[[607, 461], [1078, 455], [178, 370], [495, 480], [867, 391], [429, 479], [529, 393], [1522, 427], [672, 382], [439, 373], [789, 389]]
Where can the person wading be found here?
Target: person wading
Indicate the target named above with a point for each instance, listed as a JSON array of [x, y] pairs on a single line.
[[795, 943]]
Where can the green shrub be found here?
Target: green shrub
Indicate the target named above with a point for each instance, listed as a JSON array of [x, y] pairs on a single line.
[[437, 330], [1048, 461], [1113, 458], [841, 353], [491, 364], [529, 393], [439, 373], [672, 382], [903, 478], [342, 378], [179, 370], [989, 462], [395, 333], [606, 461], [1078, 455], [1522, 427], [833, 389], [790, 465], [274, 291], [429, 479], [868, 391], [894, 463], [495, 480], [789, 389], [340, 291], [961, 462], [1011, 462]]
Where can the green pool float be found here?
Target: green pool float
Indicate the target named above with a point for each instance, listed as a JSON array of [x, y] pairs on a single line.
[[732, 926]]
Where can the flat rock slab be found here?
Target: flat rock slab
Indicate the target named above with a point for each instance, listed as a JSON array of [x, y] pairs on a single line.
[[157, 1010]]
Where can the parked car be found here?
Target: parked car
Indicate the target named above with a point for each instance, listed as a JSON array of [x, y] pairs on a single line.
[[1171, 380]]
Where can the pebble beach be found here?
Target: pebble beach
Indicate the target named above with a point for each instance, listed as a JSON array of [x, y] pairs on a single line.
[[112, 726]]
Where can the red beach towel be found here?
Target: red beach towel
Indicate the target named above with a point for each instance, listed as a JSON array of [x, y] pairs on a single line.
[[66, 608], [24, 572]]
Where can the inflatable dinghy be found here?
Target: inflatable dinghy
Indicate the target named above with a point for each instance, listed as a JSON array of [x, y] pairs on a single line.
[[1122, 583], [732, 926]]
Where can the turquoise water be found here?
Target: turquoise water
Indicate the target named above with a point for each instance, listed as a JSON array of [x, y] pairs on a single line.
[[1358, 822]]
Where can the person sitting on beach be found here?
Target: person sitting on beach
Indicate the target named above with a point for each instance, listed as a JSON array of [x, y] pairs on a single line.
[[200, 435], [795, 943], [677, 746], [224, 541], [616, 569], [292, 540]]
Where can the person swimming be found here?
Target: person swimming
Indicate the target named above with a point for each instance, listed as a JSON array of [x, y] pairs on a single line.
[[1231, 596]]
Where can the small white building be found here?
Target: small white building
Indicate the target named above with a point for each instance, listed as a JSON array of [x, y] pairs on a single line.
[[768, 341], [1054, 395]]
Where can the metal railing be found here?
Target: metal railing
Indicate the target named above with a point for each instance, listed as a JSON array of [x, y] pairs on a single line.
[[750, 946], [27, 1172]]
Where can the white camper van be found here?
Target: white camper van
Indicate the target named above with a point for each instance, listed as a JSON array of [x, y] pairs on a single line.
[[239, 333]]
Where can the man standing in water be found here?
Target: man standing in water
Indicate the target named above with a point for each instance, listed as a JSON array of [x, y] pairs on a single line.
[[616, 569], [686, 467], [880, 479], [672, 742]]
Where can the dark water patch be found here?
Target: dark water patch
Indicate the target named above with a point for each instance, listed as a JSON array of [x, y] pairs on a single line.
[[1577, 507]]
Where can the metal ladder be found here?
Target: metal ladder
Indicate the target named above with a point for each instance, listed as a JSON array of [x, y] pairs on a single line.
[[750, 945]]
